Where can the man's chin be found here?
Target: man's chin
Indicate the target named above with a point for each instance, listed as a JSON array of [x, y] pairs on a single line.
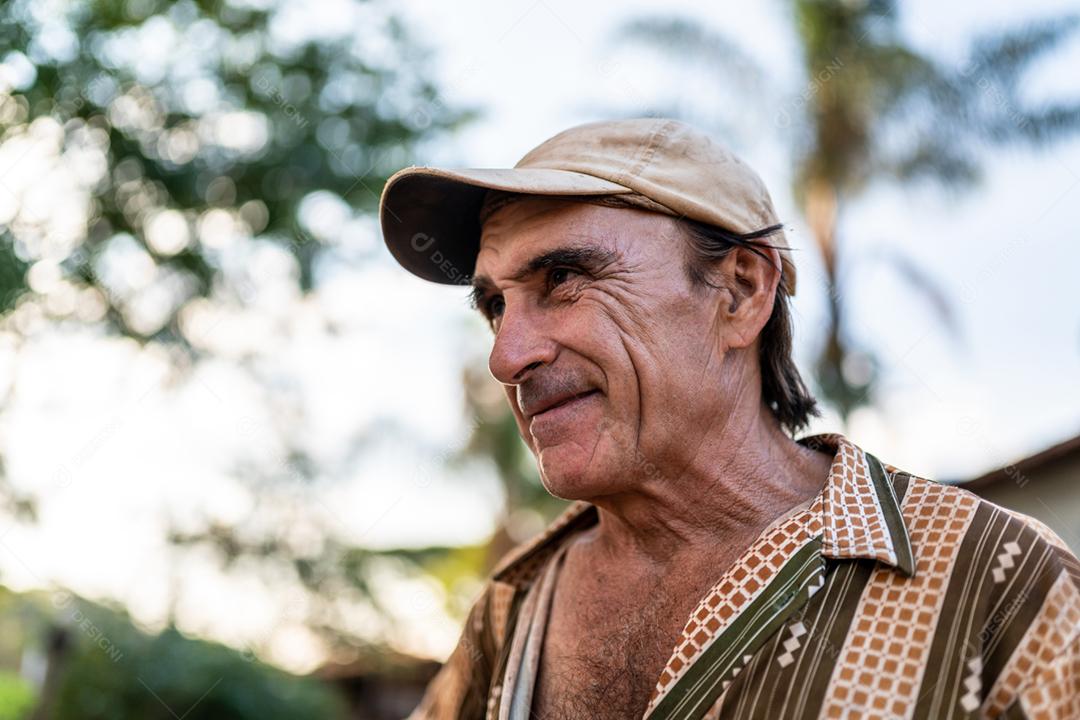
[[568, 472]]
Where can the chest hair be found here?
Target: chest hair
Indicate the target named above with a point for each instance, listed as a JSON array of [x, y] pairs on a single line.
[[602, 659]]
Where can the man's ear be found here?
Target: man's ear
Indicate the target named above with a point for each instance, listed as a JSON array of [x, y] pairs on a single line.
[[749, 291]]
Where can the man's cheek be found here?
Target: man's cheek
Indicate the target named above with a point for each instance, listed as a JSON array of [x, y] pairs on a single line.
[[625, 305], [601, 306]]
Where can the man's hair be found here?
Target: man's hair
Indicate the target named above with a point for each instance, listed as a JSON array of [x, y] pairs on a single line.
[[782, 387]]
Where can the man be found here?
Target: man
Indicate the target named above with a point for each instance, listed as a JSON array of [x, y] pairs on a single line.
[[637, 283]]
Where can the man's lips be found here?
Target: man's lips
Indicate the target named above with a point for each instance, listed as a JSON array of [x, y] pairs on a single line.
[[550, 403]]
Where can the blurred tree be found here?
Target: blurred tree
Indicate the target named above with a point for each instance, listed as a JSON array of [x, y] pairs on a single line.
[[876, 109], [172, 133], [328, 582], [16, 697], [159, 158], [111, 669], [116, 671], [322, 573], [167, 676]]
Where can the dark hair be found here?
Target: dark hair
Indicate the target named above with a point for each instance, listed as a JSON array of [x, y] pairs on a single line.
[[782, 387]]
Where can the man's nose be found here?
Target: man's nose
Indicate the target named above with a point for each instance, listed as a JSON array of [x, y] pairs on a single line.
[[521, 344]]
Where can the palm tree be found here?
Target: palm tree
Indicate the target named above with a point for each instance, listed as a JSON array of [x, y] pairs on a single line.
[[877, 109]]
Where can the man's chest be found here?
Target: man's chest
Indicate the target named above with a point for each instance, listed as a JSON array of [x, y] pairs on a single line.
[[604, 649]]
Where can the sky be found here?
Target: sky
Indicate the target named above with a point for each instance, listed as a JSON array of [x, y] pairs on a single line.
[[116, 446]]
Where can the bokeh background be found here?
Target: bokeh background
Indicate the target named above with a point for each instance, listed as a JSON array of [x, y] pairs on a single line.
[[252, 469]]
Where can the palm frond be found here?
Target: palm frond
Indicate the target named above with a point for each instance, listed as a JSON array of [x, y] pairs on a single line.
[[1037, 127], [940, 158], [1004, 56]]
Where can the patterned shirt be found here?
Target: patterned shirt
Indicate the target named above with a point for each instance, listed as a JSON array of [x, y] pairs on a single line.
[[887, 596]]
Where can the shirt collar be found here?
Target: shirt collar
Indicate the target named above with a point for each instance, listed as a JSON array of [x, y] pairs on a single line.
[[860, 516]]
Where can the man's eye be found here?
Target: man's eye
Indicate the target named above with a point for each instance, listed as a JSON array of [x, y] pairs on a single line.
[[495, 306], [560, 275]]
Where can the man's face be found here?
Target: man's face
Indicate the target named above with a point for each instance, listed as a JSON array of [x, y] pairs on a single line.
[[610, 358]]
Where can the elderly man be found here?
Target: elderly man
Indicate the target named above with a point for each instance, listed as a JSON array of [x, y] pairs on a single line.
[[637, 282]]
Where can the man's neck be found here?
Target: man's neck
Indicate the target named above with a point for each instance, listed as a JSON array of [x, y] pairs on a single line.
[[719, 502]]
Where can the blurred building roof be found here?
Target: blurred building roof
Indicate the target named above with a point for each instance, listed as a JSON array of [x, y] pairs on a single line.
[[1029, 466], [1045, 485]]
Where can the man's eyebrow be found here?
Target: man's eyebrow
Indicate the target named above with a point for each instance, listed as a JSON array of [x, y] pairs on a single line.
[[586, 257]]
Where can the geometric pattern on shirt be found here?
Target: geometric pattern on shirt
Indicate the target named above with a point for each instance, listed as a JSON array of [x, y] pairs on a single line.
[[702, 682], [1057, 692], [1005, 560], [864, 532], [857, 516], [734, 591], [880, 666], [1028, 636], [1056, 627], [792, 644]]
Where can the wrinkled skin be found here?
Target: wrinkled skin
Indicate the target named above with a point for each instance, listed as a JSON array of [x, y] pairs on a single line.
[[674, 444], [679, 402]]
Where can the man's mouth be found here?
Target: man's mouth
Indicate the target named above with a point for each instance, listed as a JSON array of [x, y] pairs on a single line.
[[560, 402]]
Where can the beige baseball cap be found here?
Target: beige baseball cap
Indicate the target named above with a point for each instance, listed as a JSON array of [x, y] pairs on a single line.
[[429, 215]]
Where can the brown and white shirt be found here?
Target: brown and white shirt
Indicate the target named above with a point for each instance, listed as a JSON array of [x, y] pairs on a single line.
[[887, 596]]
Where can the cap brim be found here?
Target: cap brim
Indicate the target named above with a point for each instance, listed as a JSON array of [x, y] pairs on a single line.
[[429, 215]]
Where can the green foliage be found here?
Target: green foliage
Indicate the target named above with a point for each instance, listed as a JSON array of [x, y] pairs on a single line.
[[116, 672], [103, 667], [236, 114], [16, 697]]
